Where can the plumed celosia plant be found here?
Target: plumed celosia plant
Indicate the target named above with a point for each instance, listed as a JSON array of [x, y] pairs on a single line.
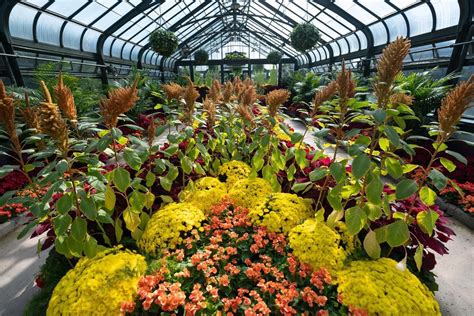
[[280, 212], [314, 243], [249, 192], [233, 171], [169, 226], [205, 193], [98, 286], [234, 267], [380, 288]]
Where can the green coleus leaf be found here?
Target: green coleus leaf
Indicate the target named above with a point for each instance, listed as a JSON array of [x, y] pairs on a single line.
[[317, 174], [374, 191], [61, 224], [166, 183], [132, 158], [394, 167], [110, 198], [419, 256], [131, 219], [427, 221], [371, 245], [88, 208], [300, 157], [355, 220], [392, 135], [360, 166], [438, 179], [64, 204], [397, 233], [405, 189], [79, 229], [427, 195], [300, 187], [448, 164], [338, 171], [121, 179]]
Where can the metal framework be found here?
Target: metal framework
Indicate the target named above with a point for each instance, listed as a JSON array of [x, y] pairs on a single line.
[[107, 33]]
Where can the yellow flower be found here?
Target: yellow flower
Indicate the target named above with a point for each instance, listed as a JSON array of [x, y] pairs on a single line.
[[98, 286], [233, 171], [280, 212], [207, 192], [316, 244], [249, 192], [167, 227], [381, 289]]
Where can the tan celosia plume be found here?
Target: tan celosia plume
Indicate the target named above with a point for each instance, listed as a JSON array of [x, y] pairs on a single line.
[[248, 96], [323, 95], [453, 105], [275, 99], [210, 109], [228, 90], [151, 131], [388, 66], [401, 98], [3, 90], [118, 102], [345, 84], [172, 91], [7, 117], [30, 114], [66, 101], [50, 121], [215, 91], [190, 95]]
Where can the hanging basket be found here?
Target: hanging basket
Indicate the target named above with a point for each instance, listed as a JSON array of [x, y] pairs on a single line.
[[201, 56], [236, 58], [304, 37], [274, 57], [163, 42]]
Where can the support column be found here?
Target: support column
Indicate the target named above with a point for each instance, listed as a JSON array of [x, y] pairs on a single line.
[[191, 72], [5, 39], [250, 70], [280, 72], [222, 73]]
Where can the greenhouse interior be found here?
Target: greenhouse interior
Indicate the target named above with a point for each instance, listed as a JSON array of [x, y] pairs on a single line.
[[236, 157]]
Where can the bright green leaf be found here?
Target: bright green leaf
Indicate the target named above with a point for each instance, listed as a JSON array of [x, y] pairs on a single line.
[[371, 245], [405, 189], [355, 220], [360, 166], [427, 221], [397, 233]]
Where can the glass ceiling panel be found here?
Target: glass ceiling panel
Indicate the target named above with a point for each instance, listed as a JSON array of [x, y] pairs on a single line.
[[90, 13], [66, 7], [447, 13]]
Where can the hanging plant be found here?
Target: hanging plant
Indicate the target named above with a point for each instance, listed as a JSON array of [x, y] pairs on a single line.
[[163, 42], [304, 37], [201, 56], [274, 57]]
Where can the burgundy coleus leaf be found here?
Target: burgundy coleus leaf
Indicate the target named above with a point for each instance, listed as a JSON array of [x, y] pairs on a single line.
[[48, 242]]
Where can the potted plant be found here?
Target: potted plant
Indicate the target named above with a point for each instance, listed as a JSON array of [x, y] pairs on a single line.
[[163, 42], [236, 56], [274, 57], [201, 56], [304, 36]]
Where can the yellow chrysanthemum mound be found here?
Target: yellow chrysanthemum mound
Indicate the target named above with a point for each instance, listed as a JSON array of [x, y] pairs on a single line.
[[168, 227], [233, 171], [280, 212], [380, 288], [280, 134], [207, 192], [98, 286], [318, 245], [249, 192]]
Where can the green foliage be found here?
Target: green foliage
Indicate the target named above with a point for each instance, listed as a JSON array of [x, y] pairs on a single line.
[[201, 56], [304, 37], [273, 78], [163, 42], [305, 88], [235, 56], [274, 57]]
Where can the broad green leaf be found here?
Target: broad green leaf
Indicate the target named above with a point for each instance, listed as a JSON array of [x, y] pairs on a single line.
[[61, 224], [300, 187], [64, 204], [74, 246], [186, 164], [428, 196], [458, 156], [427, 221], [79, 229], [110, 198], [379, 115], [104, 217], [290, 172], [419, 256], [149, 200], [300, 157], [394, 167], [121, 179], [132, 158], [88, 208], [137, 201], [90, 246], [438, 179], [392, 135], [397, 233], [320, 215], [355, 220], [335, 200], [173, 173], [296, 138], [374, 191], [317, 174], [360, 166], [132, 219], [409, 167], [338, 171], [166, 183], [373, 211], [405, 189], [62, 166], [334, 217], [448, 164], [371, 245], [118, 229], [384, 144]]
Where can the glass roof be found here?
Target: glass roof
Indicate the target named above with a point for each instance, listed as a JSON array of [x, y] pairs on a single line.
[[255, 27]]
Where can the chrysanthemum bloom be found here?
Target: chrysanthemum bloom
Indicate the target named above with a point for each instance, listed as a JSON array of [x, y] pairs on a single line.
[[380, 288]]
